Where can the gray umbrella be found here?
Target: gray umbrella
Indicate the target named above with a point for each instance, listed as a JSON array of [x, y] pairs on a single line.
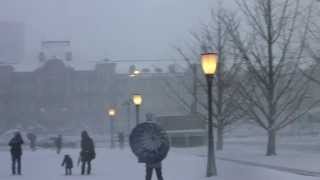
[[149, 142]]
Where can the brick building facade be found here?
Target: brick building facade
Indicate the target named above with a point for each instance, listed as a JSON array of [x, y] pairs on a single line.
[[57, 96]]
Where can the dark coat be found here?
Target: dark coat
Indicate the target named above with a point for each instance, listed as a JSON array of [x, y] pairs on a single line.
[[67, 162], [15, 146], [153, 165], [87, 149]]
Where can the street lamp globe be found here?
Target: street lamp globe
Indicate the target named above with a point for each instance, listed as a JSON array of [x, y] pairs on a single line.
[[112, 112], [209, 62], [137, 99], [136, 72]]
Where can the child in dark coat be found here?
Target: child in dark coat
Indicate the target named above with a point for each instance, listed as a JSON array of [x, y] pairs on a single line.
[[67, 162]]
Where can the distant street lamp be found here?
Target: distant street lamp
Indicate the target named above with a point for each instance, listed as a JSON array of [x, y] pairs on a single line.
[[112, 113], [137, 101], [132, 73], [209, 62], [135, 73]]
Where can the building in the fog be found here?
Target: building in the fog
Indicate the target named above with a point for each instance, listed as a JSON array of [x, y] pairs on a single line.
[[11, 42], [55, 50], [57, 97]]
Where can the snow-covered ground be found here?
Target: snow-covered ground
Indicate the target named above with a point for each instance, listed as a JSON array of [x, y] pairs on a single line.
[[301, 152], [122, 165], [298, 154]]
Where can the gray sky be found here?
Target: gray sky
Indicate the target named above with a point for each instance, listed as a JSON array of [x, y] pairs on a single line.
[[118, 29]]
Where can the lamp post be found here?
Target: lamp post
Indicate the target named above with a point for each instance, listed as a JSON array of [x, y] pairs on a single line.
[[133, 73], [209, 62], [112, 113], [137, 101]]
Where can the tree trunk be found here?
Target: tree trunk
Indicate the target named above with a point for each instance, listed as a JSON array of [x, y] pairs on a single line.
[[271, 147], [220, 130]]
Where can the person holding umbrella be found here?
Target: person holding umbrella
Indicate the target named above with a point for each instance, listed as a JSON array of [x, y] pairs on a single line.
[[150, 143]]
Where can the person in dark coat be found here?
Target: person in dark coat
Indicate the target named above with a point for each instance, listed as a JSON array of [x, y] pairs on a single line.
[[68, 164], [16, 152], [32, 138], [87, 153], [153, 166], [58, 143], [149, 170]]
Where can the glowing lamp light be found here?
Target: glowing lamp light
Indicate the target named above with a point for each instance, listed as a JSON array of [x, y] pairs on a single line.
[[209, 62], [112, 112], [137, 99], [136, 72]]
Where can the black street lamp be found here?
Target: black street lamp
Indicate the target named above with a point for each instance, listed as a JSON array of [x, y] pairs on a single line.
[[137, 101], [209, 62], [112, 113]]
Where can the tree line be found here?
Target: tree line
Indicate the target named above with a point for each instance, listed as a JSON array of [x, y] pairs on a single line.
[[268, 60]]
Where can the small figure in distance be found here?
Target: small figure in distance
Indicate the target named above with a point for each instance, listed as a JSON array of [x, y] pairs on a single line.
[[58, 143], [16, 152], [32, 138], [68, 164]]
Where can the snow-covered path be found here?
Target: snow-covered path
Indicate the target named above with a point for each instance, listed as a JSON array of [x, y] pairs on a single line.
[[122, 165], [274, 167]]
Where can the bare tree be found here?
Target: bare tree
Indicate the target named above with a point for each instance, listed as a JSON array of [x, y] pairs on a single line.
[[212, 37], [275, 92], [313, 49], [225, 94]]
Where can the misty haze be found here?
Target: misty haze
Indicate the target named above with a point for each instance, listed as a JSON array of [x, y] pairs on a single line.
[[159, 89]]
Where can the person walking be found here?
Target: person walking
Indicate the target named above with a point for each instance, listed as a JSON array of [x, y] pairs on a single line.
[[87, 153], [150, 143], [68, 164], [32, 138], [16, 152], [58, 143], [154, 166]]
